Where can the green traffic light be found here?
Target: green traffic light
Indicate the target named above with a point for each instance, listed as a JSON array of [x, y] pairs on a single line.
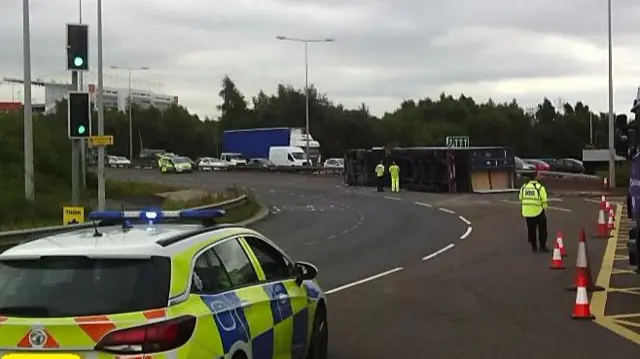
[[82, 130], [78, 61]]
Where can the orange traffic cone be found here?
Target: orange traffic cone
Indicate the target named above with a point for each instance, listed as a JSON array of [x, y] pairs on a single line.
[[582, 309], [556, 260], [610, 223], [560, 242], [602, 223], [583, 272]]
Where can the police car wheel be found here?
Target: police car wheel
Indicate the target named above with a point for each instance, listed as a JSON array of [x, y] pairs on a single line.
[[320, 336]]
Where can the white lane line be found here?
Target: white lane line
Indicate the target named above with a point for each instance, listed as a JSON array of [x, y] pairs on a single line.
[[345, 231], [310, 243], [362, 281], [445, 210], [423, 204], [464, 220], [550, 207], [436, 253], [332, 236], [393, 198], [467, 233]]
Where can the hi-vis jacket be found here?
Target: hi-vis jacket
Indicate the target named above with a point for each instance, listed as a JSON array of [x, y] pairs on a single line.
[[380, 170], [533, 197]]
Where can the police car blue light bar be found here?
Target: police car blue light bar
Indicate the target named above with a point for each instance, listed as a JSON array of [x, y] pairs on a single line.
[[156, 215]]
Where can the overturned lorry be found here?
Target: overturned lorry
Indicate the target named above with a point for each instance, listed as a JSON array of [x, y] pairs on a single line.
[[436, 169]]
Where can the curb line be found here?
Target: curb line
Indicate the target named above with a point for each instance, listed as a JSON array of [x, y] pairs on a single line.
[[261, 215]]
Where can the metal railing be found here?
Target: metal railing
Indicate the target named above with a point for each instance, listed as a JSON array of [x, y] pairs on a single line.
[[11, 238]]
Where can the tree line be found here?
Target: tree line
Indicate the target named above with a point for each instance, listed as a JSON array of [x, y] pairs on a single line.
[[545, 131]]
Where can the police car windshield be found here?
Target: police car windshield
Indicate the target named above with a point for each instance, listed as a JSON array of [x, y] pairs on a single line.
[[53, 287]]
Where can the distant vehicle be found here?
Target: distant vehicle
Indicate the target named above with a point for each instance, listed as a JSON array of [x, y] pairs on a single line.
[[256, 142], [522, 165], [212, 164], [288, 156], [233, 158], [538, 164], [261, 162], [569, 165], [337, 163], [118, 161], [151, 154], [174, 164]]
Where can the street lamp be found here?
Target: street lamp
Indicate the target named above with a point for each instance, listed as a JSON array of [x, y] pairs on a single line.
[[130, 100], [612, 151], [306, 79], [29, 190]]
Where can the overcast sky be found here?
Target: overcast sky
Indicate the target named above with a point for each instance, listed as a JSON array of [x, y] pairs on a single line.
[[385, 50]]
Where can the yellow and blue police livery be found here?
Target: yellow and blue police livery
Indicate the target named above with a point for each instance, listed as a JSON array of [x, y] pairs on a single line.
[[139, 286]]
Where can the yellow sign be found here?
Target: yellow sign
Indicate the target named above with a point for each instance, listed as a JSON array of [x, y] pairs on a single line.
[[72, 215], [95, 141]]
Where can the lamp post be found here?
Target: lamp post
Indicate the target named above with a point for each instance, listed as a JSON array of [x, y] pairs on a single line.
[[306, 80], [130, 102], [100, 103], [29, 190], [612, 151]]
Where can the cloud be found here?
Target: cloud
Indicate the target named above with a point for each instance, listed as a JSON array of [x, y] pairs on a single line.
[[385, 51]]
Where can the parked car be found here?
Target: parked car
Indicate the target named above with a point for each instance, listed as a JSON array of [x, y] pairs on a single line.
[[336, 163], [118, 161], [538, 164], [521, 165], [569, 165], [212, 164], [261, 162]]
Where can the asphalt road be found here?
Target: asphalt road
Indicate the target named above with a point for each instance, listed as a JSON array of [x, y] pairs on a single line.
[[350, 234], [451, 275]]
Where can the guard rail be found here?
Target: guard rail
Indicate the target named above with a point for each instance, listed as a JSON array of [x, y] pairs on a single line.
[[11, 238], [313, 170]]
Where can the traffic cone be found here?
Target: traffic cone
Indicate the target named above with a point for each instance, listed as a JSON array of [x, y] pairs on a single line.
[[556, 260], [582, 309], [583, 271], [560, 243], [602, 231], [610, 223]]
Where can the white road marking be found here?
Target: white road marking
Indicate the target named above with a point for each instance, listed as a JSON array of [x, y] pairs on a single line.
[[362, 281], [467, 233], [423, 204], [445, 210], [464, 220], [438, 252], [345, 231], [597, 201], [310, 243], [332, 236], [392, 198]]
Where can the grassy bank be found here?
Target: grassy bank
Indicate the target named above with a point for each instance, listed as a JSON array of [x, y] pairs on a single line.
[[47, 211]]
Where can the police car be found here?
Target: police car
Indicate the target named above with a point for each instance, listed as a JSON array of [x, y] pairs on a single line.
[[149, 284]]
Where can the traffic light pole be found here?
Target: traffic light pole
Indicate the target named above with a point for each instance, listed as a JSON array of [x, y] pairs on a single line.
[[75, 158]]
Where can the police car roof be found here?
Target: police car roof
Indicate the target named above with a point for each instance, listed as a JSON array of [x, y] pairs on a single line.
[[137, 242]]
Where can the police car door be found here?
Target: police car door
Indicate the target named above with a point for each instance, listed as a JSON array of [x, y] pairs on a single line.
[[288, 299]]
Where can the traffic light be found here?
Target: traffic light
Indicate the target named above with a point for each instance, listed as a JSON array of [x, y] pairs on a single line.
[[621, 136], [77, 47], [79, 118]]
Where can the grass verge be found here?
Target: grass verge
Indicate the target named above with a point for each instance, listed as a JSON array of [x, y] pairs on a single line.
[[237, 214]]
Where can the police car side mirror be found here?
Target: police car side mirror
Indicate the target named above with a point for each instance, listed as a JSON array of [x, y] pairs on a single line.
[[305, 271]]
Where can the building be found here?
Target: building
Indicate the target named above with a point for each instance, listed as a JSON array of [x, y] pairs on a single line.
[[114, 98], [119, 98], [17, 106]]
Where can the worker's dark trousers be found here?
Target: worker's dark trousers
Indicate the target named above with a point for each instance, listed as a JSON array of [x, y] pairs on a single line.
[[380, 183], [540, 223]]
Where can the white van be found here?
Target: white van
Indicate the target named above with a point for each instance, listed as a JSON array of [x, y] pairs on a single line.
[[287, 156], [233, 159]]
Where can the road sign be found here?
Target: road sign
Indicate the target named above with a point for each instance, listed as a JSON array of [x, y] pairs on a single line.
[[72, 215], [96, 141], [457, 141]]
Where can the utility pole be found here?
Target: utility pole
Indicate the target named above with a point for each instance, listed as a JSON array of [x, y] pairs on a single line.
[[29, 190], [83, 142], [100, 100], [612, 150]]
